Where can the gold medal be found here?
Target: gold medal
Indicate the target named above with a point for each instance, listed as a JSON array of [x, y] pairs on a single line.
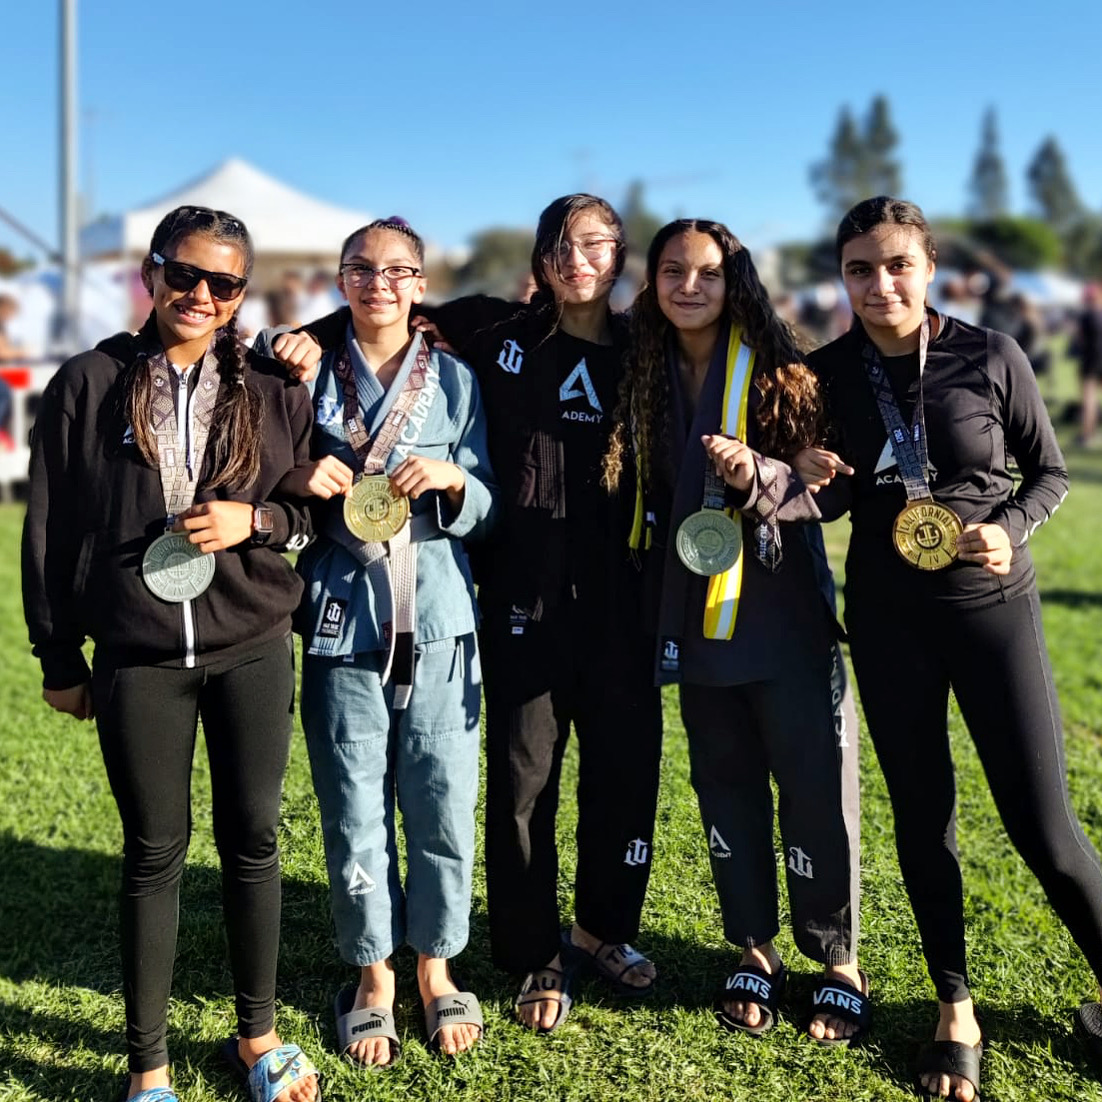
[[708, 542], [373, 512], [925, 534]]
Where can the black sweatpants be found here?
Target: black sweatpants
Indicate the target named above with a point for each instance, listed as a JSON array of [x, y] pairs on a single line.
[[906, 656], [557, 671], [802, 729], [147, 718]]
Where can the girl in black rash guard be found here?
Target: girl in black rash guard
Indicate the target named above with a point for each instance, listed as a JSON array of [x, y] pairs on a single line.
[[926, 618], [560, 596], [188, 624]]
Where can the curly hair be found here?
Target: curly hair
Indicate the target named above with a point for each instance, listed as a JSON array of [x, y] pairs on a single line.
[[790, 413], [235, 432]]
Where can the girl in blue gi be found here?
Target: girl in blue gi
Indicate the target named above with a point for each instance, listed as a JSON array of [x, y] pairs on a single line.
[[390, 682]]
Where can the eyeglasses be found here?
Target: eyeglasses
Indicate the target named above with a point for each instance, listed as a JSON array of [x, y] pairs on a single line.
[[363, 275], [186, 277], [592, 248]]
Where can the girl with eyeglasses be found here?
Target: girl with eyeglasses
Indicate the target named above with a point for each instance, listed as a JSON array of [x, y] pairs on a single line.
[[390, 680], [560, 594], [941, 594], [154, 528], [718, 401]]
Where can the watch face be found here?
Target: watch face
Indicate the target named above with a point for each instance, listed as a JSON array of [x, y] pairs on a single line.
[[263, 521]]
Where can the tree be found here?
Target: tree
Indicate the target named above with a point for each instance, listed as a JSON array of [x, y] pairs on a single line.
[[1050, 186], [1024, 243], [640, 224], [499, 257], [860, 161], [881, 138], [988, 187]]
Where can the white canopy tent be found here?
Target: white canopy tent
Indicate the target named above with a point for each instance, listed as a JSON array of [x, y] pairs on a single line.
[[288, 227]]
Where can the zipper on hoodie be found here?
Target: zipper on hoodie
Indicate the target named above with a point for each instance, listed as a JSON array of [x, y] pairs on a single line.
[[183, 441]]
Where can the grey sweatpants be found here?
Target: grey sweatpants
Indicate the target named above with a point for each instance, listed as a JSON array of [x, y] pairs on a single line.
[[802, 729]]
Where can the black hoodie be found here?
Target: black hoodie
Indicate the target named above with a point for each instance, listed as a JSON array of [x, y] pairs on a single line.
[[95, 506]]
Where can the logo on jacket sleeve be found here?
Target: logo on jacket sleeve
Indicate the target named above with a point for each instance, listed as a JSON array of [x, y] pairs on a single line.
[[511, 357]]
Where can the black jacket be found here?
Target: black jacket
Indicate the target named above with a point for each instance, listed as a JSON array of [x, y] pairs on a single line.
[[982, 409], [95, 506]]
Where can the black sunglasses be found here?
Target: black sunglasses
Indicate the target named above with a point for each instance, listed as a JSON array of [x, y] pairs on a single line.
[[186, 277]]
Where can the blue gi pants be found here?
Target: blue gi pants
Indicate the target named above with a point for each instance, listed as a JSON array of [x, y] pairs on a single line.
[[367, 759]]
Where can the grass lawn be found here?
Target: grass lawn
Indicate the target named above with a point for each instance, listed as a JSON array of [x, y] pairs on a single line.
[[61, 1015]]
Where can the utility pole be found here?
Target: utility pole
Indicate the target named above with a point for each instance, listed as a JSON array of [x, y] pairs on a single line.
[[69, 306]]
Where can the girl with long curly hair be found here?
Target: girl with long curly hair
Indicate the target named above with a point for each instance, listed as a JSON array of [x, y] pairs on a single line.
[[717, 402]]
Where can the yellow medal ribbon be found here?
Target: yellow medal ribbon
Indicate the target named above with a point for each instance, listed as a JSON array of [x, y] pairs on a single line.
[[724, 590]]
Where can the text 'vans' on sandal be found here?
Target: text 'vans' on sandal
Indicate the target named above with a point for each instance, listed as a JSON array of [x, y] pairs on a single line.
[[354, 1026], [547, 985], [272, 1074], [458, 1008], [837, 999], [751, 984], [949, 1058], [612, 963]]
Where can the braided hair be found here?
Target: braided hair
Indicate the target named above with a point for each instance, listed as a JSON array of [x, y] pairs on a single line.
[[236, 426], [393, 224]]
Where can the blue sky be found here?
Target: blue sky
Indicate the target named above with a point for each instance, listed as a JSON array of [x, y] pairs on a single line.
[[459, 116]]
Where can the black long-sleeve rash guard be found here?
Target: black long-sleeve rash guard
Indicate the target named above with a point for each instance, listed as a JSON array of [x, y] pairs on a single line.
[[981, 406]]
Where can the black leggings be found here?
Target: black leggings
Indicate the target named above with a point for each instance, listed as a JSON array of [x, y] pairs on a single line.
[[906, 658], [147, 718], [559, 670]]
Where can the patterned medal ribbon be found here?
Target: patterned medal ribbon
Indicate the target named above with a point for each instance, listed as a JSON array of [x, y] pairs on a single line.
[[173, 568], [925, 532], [180, 465], [908, 443], [373, 454]]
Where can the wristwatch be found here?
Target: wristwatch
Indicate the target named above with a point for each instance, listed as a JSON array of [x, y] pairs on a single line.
[[263, 524]]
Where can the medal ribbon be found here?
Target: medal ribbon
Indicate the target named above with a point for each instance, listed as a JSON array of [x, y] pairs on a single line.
[[724, 590], [908, 444], [180, 472], [373, 454]]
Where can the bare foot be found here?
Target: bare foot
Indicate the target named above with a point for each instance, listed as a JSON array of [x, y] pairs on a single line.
[[376, 989], [147, 1080], [639, 975], [433, 980], [956, 1022], [826, 1027], [250, 1049], [766, 958], [543, 1013]]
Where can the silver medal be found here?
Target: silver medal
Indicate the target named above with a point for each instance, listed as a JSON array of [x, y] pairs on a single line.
[[175, 570]]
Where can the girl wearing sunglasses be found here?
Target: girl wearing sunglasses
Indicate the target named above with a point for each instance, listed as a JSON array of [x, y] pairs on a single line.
[[560, 593], [154, 528], [390, 678]]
